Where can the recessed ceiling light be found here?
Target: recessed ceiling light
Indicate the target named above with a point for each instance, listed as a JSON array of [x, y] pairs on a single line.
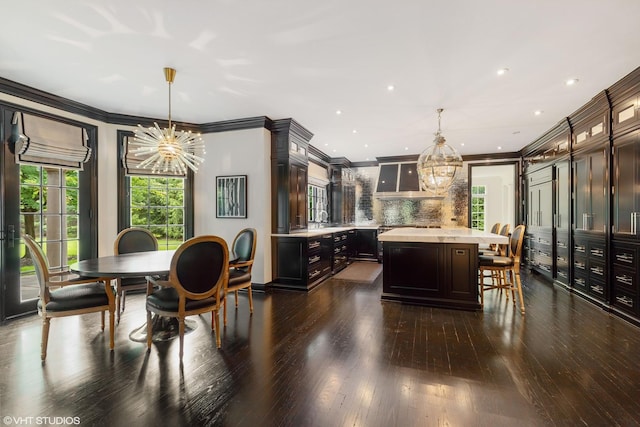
[[499, 148], [462, 144], [406, 148], [354, 131], [366, 145], [571, 82], [502, 71], [538, 112], [326, 144], [334, 150], [391, 88], [338, 112]]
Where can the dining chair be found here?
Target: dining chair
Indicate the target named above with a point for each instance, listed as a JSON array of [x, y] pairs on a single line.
[[198, 273], [495, 228], [130, 240], [505, 269], [243, 252], [65, 294], [498, 249]]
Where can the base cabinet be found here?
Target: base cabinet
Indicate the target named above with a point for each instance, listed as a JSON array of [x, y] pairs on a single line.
[[433, 274], [302, 263], [625, 273]]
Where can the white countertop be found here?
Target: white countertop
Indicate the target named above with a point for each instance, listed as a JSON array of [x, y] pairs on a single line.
[[312, 232], [442, 235]]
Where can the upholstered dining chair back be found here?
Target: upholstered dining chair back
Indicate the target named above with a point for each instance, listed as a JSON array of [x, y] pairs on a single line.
[[515, 243], [41, 265], [495, 228], [199, 268], [244, 248], [135, 239], [132, 239]]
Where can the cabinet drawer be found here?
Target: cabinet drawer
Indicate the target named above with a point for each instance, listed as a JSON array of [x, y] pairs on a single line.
[[580, 265], [319, 269], [625, 301], [314, 244], [625, 278], [597, 288], [597, 250], [597, 270], [624, 255], [580, 281]]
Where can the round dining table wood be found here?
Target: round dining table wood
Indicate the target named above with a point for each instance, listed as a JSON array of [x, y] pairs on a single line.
[[136, 264]]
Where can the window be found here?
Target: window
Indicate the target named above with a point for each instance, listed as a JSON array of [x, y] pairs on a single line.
[[49, 214], [318, 204], [478, 209], [161, 204], [158, 205]]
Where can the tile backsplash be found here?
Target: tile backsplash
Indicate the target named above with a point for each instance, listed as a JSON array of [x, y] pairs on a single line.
[[450, 211]]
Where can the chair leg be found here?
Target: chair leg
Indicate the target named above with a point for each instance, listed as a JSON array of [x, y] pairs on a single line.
[[149, 330], [235, 298], [112, 326], [250, 300], [45, 337], [519, 286], [118, 300], [216, 321], [102, 318], [224, 302], [181, 332]]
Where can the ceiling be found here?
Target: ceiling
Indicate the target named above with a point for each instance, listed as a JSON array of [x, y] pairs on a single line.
[[308, 59]]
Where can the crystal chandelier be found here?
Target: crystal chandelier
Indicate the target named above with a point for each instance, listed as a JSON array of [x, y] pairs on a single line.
[[168, 151], [437, 165]]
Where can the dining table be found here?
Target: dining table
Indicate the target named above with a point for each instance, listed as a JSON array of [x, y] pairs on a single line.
[[137, 264]]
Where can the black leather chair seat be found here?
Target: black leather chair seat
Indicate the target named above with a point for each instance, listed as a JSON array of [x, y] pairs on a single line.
[[238, 276], [497, 261], [76, 297], [166, 299]]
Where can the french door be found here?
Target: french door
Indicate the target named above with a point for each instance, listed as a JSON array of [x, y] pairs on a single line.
[[55, 206]]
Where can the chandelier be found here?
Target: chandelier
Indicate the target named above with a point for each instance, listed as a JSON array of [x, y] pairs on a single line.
[[168, 151], [437, 165]]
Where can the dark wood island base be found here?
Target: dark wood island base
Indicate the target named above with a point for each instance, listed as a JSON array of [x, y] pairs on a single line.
[[437, 268]]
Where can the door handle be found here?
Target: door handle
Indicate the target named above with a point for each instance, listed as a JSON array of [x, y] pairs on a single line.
[[11, 235]]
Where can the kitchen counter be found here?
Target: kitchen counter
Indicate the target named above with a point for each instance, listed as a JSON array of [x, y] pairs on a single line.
[[312, 232], [436, 267], [441, 235]]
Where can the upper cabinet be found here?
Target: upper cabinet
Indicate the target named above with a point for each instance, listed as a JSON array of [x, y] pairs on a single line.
[[625, 101], [591, 124], [289, 165]]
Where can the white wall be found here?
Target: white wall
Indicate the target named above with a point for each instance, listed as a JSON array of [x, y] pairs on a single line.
[[241, 152]]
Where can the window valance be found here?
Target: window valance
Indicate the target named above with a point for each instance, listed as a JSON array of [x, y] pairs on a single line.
[[43, 141], [131, 163]]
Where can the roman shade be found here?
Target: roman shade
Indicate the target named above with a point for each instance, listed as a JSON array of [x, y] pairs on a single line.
[[43, 141], [131, 163]]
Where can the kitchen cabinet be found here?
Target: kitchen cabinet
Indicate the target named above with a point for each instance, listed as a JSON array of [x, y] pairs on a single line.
[[302, 262], [343, 194], [626, 181], [366, 243], [590, 172], [590, 267], [289, 165], [340, 251], [539, 223], [562, 221]]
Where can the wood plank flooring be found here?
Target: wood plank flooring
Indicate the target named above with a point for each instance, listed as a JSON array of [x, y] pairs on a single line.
[[337, 356]]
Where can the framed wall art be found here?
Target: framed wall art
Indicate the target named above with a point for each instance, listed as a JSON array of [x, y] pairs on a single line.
[[231, 196]]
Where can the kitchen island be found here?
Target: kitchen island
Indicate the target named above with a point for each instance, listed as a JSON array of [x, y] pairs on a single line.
[[433, 266]]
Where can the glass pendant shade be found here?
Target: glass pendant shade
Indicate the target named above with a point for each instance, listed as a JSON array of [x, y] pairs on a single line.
[[438, 164], [168, 151]]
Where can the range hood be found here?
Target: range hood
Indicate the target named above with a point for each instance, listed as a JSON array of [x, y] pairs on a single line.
[[400, 181]]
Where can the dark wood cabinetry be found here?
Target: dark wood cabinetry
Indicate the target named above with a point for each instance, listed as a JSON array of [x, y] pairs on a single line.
[[343, 193], [562, 221], [590, 183], [366, 244], [435, 274], [540, 220], [289, 164], [302, 263], [340, 251]]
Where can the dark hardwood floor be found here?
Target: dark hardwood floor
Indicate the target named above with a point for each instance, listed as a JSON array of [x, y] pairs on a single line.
[[337, 356]]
